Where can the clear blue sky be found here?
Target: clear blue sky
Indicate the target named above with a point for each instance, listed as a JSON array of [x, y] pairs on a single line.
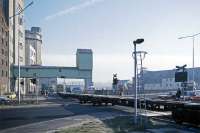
[[108, 27]]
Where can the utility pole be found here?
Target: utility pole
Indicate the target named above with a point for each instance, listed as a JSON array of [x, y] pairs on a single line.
[[19, 90], [37, 88]]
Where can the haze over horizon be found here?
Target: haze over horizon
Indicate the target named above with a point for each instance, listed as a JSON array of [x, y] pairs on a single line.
[[108, 27]]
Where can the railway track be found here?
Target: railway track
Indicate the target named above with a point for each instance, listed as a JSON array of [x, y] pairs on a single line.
[[181, 111]]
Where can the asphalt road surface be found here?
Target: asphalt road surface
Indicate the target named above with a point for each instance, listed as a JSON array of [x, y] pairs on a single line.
[[48, 110]]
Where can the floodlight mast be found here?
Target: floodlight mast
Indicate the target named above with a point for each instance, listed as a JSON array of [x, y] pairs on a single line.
[[138, 41], [193, 39]]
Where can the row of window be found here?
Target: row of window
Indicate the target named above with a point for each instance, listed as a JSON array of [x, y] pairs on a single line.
[[169, 79], [4, 52], [2, 20], [4, 73], [20, 46], [20, 33], [3, 32], [2, 42], [21, 59], [4, 62], [171, 85]]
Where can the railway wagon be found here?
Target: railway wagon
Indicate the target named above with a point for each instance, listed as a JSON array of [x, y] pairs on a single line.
[[188, 113]]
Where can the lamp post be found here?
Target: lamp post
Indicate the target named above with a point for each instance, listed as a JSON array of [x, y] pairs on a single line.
[[20, 12], [138, 41], [193, 39]]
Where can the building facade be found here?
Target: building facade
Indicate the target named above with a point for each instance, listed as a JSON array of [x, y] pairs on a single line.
[[4, 48], [48, 84], [30, 59], [19, 40], [15, 20], [34, 38]]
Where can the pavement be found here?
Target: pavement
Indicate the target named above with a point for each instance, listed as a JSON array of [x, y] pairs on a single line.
[[61, 123]]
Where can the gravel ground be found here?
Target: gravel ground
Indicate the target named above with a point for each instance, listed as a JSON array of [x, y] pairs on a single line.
[[125, 124], [93, 126]]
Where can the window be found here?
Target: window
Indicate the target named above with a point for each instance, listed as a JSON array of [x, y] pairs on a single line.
[[20, 33], [6, 63], [2, 62], [20, 20], [7, 34], [21, 59], [20, 45], [2, 74], [6, 74], [2, 51]]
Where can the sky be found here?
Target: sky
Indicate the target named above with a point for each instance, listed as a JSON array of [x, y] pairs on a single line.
[[109, 27]]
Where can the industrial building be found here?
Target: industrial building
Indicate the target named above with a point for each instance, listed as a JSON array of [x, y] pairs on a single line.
[[165, 80], [33, 37]]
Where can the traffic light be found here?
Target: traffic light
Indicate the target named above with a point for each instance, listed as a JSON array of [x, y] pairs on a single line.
[[22, 82], [181, 76], [33, 81], [115, 80]]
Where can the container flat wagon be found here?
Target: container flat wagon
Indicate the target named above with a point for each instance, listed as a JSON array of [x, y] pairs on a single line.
[[181, 111]]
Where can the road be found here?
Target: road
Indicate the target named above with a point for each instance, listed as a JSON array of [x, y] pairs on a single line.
[[48, 110], [25, 118]]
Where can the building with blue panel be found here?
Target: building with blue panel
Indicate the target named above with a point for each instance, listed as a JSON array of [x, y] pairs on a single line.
[[165, 79]]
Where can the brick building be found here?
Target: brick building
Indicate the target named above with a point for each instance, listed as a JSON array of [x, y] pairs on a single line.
[[4, 48]]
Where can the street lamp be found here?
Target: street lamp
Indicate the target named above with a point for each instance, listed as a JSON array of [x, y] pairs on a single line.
[[193, 38], [138, 41], [21, 11]]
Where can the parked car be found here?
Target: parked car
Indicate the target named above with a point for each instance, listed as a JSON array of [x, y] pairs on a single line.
[[4, 100], [11, 95], [76, 90]]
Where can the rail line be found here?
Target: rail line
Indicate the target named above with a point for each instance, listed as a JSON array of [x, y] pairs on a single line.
[[151, 104], [182, 111]]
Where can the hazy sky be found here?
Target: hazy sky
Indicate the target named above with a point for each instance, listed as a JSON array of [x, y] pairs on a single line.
[[108, 27]]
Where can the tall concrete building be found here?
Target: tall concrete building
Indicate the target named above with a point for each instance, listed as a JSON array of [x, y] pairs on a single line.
[[30, 59], [17, 34], [4, 48], [33, 44], [34, 38], [15, 21]]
